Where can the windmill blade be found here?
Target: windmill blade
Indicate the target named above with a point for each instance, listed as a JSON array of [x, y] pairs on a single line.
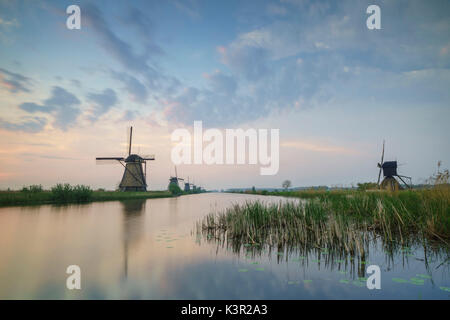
[[129, 139], [379, 176], [380, 165], [148, 157], [108, 160]]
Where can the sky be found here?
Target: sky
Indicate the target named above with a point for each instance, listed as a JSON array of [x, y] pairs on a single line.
[[311, 69]]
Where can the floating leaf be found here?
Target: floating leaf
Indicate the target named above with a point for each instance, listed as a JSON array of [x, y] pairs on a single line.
[[255, 262], [280, 253], [344, 281], [340, 261], [259, 269], [307, 281], [343, 272], [364, 279], [445, 288], [243, 270], [399, 280], [358, 283], [416, 279], [291, 282], [425, 276]]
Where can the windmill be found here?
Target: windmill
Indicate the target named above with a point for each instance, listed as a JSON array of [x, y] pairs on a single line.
[[174, 180], [134, 176], [187, 186], [389, 172]]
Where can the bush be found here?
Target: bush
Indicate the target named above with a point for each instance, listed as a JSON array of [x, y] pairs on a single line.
[[34, 188], [65, 193], [82, 193], [367, 186], [174, 189]]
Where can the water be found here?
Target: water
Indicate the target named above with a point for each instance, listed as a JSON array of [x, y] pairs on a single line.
[[145, 249]]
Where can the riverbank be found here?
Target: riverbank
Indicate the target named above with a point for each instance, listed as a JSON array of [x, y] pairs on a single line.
[[342, 220], [20, 198]]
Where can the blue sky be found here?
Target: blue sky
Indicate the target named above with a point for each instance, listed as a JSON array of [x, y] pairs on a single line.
[[311, 68]]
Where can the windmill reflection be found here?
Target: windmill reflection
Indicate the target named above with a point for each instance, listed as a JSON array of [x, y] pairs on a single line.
[[133, 226]]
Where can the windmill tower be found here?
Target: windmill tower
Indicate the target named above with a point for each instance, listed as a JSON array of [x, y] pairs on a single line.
[[389, 169], [134, 176], [174, 180], [187, 186]]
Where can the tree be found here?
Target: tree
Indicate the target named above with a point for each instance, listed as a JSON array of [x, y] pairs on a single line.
[[174, 189], [286, 184]]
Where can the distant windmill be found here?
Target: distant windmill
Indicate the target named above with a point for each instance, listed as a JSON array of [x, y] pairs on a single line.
[[134, 177], [187, 186], [174, 180], [389, 172]]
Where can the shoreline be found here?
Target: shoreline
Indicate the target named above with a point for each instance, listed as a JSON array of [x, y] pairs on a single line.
[[19, 199]]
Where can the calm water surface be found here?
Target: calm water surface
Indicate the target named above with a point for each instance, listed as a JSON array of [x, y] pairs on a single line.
[[146, 249]]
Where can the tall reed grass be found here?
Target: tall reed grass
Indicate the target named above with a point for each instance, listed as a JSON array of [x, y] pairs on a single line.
[[344, 222]]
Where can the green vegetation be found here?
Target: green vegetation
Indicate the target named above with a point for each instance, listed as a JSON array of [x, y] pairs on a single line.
[[337, 221], [367, 186], [65, 193], [175, 189]]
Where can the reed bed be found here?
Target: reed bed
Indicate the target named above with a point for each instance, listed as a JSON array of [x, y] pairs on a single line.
[[343, 222]]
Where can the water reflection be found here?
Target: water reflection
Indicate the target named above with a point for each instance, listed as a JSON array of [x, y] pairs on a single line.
[[144, 249], [332, 255], [133, 226]]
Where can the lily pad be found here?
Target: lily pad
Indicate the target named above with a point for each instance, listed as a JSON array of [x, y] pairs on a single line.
[[358, 283], [259, 269], [307, 281], [399, 280], [445, 288], [363, 279], [417, 281], [344, 281], [425, 276]]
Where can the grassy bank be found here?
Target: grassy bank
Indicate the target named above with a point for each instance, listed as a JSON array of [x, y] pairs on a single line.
[[344, 221], [71, 194]]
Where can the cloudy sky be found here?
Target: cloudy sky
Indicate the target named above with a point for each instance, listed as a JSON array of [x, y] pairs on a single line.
[[309, 68]]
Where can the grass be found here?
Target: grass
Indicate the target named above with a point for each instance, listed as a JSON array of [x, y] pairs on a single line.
[[65, 193], [343, 222]]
